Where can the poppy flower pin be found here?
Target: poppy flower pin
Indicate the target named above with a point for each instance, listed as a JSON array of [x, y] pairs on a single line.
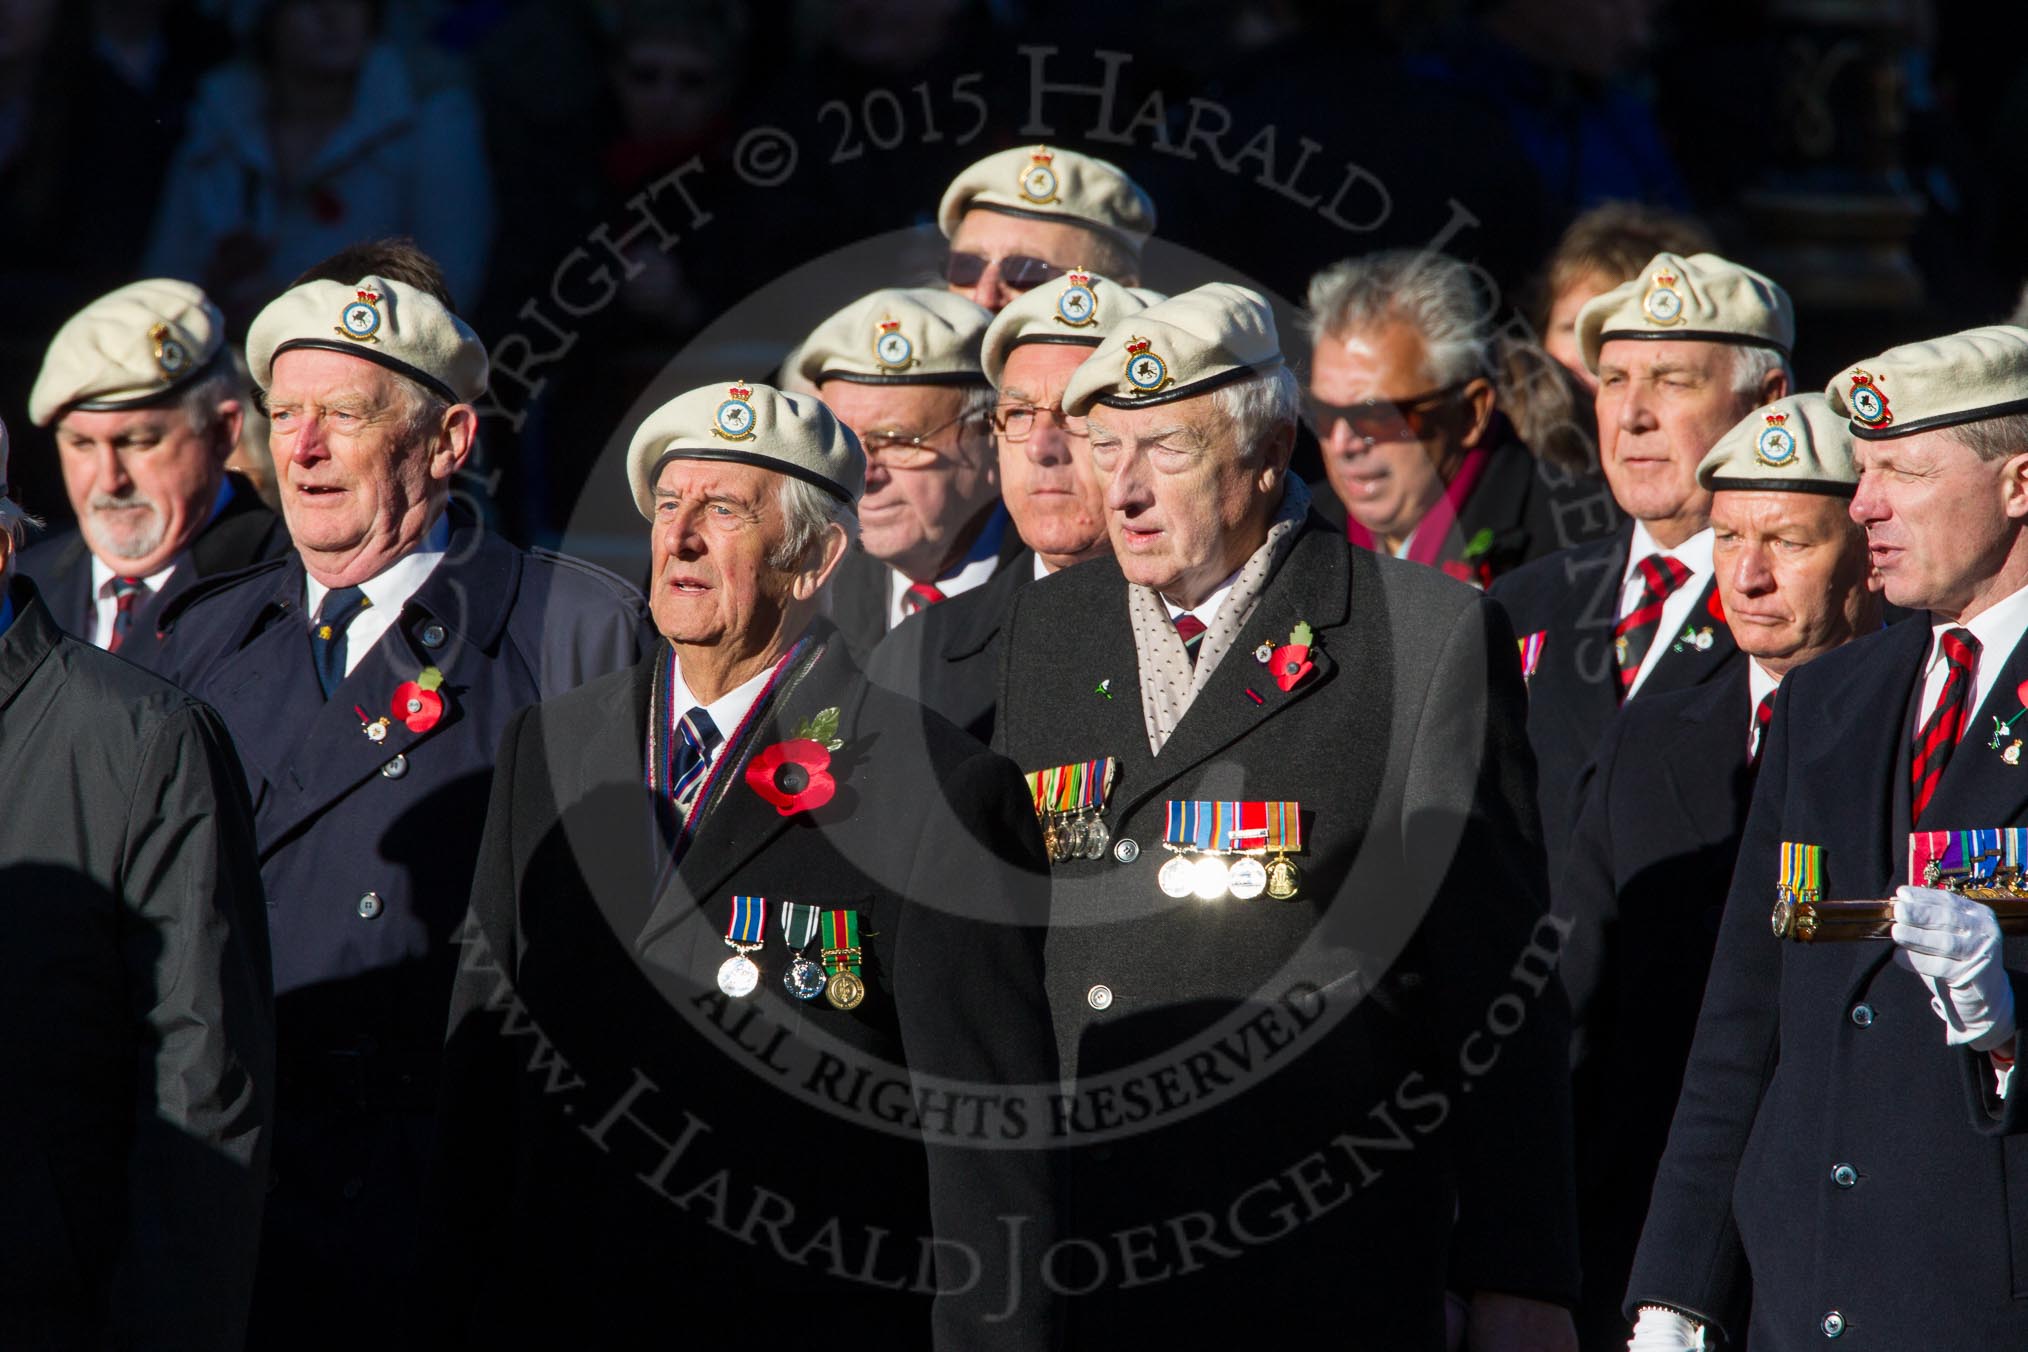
[[420, 703], [1290, 664], [795, 776]]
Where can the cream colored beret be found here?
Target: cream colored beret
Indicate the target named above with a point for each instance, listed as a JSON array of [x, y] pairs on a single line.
[[1052, 185], [748, 424], [1187, 345], [1702, 297], [1795, 444], [129, 348], [900, 336], [1959, 378], [390, 324], [1077, 311]]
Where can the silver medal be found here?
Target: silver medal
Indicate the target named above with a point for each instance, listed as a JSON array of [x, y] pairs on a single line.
[[1177, 877], [737, 976], [1209, 877], [1098, 839], [1248, 879], [804, 979]]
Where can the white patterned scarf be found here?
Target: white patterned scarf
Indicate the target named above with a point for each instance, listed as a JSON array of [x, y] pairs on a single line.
[[1168, 680]]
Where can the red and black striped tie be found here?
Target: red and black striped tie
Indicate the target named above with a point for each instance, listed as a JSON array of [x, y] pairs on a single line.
[[1763, 714], [1946, 723], [1191, 630], [127, 592], [920, 597], [1635, 633]]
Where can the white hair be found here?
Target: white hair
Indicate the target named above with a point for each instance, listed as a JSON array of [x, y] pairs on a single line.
[[1259, 407], [1434, 295], [1751, 366], [807, 513]]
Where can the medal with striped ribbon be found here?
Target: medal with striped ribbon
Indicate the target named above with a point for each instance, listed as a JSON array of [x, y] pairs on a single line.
[[1800, 886], [845, 989], [744, 933], [804, 979], [1069, 799]]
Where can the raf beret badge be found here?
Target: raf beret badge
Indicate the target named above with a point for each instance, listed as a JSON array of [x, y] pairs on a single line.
[[1776, 445], [734, 418], [1038, 180], [1078, 305], [1663, 303], [891, 347], [1868, 402], [360, 319], [1146, 372]]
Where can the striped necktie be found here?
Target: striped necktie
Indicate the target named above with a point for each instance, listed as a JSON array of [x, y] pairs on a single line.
[[697, 737], [1635, 633], [1946, 724], [919, 597], [127, 593], [1191, 630]]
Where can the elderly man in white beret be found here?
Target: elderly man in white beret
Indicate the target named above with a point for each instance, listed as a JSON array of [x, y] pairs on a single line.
[[1682, 352], [1022, 217], [146, 408], [784, 928], [901, 368], [949, 658], [134, 987], [1665, 804], [1297, 870], [366, 678], [1846, 1146]]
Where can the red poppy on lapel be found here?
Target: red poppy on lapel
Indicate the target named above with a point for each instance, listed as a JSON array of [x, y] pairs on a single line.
[[418, 703], [1716, 605], [1291, 663], [793, 776]]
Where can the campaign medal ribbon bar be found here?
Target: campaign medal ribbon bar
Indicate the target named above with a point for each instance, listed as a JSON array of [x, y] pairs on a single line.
[[845, 989], [1069, 799], [804, 979], [1202, 834], [1967, 859], [1798, 890], [744, 933]]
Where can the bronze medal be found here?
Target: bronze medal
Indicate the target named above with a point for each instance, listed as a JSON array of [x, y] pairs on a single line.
[[844, 990], [1284, 879]]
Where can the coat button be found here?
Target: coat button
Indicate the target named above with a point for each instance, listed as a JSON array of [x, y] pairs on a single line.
[[1844, 1175], [433, 635], [1125, 850], [369, 906], [1834, 1324], [1863, 1015], [1099, 997], [395, 768]]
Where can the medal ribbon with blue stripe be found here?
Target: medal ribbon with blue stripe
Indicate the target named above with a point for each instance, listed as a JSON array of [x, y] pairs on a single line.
[[749, 924], [1802, 874]]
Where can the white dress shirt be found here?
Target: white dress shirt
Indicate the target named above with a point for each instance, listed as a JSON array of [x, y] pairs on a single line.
[[1694, 554], [1207, 609], [1998, 629], [106, 601], [388, 591], [727, 711], [972, 571]]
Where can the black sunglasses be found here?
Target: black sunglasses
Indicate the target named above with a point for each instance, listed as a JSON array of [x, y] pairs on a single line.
[[1018, 271]]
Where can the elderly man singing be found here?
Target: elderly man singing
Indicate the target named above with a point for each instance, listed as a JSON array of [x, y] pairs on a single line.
[[784, 929]]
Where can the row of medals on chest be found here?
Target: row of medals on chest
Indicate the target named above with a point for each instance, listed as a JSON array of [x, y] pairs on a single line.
[[739, 976], [1204, 874]]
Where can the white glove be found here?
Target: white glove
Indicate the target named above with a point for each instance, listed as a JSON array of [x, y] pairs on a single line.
[[1657, 1329], [1954, 945]]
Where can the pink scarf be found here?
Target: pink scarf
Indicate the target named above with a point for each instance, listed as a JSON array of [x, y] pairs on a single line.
[[1435, 526]]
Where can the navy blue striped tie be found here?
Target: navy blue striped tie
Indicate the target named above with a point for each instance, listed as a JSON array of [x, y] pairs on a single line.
[[699, 737]]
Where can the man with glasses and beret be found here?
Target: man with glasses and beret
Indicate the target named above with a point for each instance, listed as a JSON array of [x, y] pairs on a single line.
[[1848, 1163], [366, 678], [1682, 353], [1022, 217], [901, 368], [146, 408], [1420, 459], [949, 659]]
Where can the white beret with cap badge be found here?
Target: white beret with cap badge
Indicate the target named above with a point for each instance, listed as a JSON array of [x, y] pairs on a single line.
[[1187, 345], [1699, 298], [1078, 310], [1052, 184], [391, 324], [128, 349], [1941, 382], [898, 336], [749, 424], [1798, 444]]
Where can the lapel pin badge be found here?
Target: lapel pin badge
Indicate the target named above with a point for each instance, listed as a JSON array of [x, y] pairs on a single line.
[[375, 729], [1104, 687]]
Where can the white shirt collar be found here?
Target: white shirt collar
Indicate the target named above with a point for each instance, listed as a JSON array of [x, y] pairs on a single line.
[[103, 575], [1041, 568], [1694, 553], [978, 565], [1997, 628], [729, 710], [1206, 610], [390, 588]]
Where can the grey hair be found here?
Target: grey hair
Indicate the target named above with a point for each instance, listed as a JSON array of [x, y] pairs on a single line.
[[1259, 407], [15, 521], [423, 409], [1434, 295], [807, 513], [1751, 366], [1994, 438], [201, 400]]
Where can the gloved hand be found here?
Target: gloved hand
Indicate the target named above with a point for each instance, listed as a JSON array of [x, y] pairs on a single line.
[[1657, 1329], [1954, 945]]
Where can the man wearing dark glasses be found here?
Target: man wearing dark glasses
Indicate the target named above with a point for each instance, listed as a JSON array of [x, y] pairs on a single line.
[[949, 660], [1022, 217], [901, 368], [1422, 462]]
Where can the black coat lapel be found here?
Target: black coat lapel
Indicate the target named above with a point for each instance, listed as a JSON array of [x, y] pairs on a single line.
[[984, 618], [1708, 751], [1683, 663]]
